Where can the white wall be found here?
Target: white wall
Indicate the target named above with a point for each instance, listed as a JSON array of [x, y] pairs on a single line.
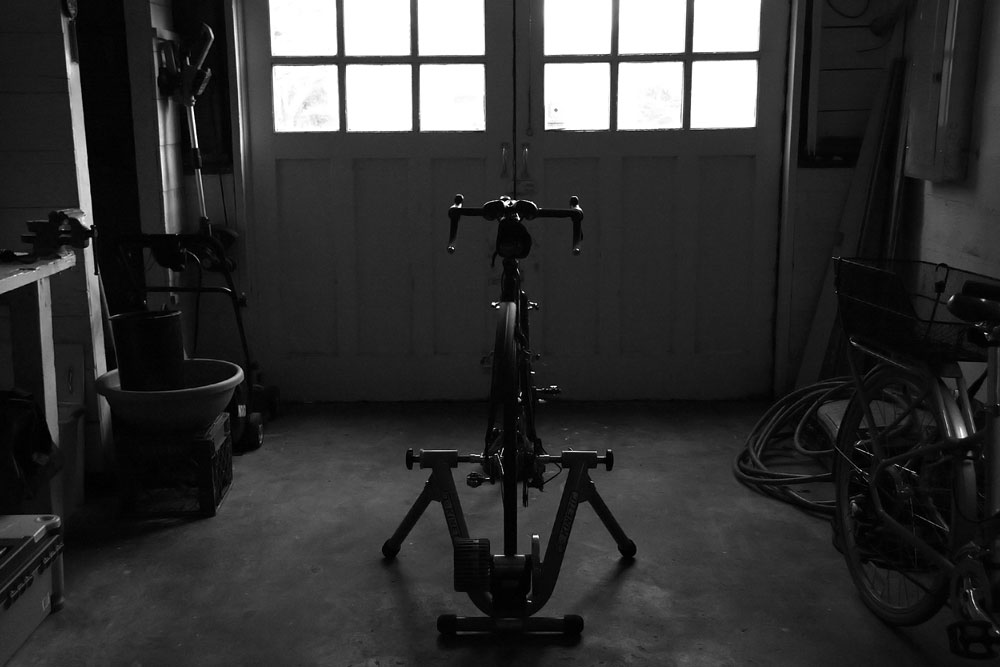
[[44, 167], [37, 152], [156, 118], [839, 66], [959, 223]]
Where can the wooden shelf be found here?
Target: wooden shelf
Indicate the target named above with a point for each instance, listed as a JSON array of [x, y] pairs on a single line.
[[14, 276], [26, 288]]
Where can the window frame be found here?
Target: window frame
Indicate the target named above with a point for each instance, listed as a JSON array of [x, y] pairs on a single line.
[[687, 58], [342, 61], [614, 59]]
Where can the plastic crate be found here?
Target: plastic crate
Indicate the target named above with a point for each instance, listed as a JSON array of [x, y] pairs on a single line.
[[31, 576], [174, 474], [900, 306]]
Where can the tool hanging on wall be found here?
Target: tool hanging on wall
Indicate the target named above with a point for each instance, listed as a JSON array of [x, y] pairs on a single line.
[[187, 77], [182, 74]]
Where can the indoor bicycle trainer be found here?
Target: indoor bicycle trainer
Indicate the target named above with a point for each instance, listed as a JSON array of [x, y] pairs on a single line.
[[510, 587]]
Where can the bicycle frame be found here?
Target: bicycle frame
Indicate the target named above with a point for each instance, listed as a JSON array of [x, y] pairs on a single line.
[[514, 304]]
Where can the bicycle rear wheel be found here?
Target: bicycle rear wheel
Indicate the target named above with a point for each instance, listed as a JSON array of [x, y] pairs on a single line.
[[504, 397], [897, 582]]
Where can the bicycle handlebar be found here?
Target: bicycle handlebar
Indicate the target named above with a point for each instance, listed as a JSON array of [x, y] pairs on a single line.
[[505, 207]]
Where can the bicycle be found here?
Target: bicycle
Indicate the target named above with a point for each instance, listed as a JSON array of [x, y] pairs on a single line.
[[917, 464], [510, 587]]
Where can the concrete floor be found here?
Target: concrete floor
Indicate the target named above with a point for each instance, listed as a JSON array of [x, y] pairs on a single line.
[[290, 572]]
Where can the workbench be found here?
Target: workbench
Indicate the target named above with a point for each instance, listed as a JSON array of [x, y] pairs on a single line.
[[26, 289]]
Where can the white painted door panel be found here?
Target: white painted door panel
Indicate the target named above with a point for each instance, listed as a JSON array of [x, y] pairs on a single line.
[[354, 297]]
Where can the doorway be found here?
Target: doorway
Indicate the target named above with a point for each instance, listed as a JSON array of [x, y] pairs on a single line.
[[367, 117]]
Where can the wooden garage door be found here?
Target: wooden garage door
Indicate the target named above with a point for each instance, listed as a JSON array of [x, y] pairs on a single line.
[[367, 116]]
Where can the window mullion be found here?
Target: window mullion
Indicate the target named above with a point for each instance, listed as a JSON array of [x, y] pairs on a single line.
[[341, 68], [688, 58], [613, 120], [415, 66]]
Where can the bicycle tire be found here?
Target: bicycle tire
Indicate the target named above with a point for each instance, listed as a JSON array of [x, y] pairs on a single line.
[[503, 380], [504, 394], [896, 582], [531, 471]]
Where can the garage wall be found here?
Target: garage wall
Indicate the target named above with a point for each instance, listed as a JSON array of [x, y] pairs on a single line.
[[959, 223], [44, 167]]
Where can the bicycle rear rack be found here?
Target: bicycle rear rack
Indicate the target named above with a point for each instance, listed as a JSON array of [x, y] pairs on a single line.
[[509, 589]]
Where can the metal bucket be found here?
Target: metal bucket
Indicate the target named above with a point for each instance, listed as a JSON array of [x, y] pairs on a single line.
[[150, 350]]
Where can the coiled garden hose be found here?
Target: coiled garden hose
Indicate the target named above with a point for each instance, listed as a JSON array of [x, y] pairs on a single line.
[[790, 435]]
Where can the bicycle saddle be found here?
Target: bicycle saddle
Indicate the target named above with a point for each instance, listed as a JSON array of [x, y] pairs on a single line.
[[978, 303]]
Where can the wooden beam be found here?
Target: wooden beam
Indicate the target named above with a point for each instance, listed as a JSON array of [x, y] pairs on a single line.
[[857, 210]]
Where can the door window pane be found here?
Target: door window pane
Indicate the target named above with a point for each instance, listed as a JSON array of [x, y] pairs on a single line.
[[723, 93], [452, 97], [651, 26], [450, 28], [303, 27], [379, 98], [305, 98], [376, 27], [577, 96], [574, 27], [650, 96], [726, 25]]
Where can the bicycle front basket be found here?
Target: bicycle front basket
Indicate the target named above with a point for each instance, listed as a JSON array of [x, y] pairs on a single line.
[[901, 306]]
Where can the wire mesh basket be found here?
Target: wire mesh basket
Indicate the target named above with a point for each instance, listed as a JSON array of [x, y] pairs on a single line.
[[901, 306]]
